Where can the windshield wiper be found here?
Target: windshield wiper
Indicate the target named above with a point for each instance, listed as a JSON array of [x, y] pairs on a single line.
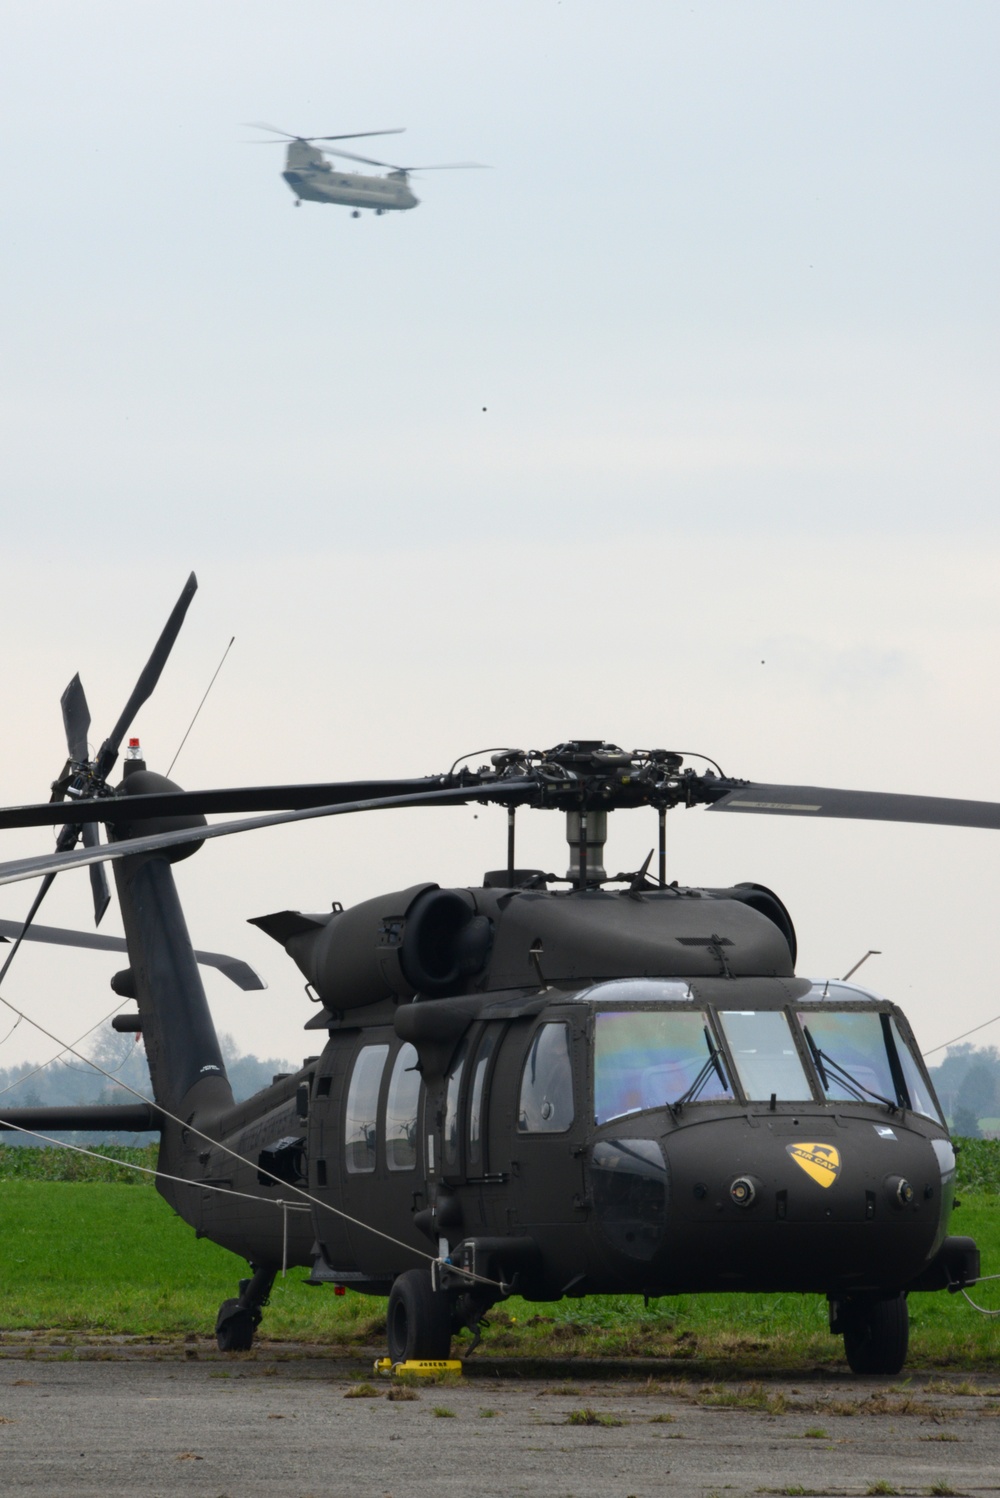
[[714, 1063], [827, 1067]]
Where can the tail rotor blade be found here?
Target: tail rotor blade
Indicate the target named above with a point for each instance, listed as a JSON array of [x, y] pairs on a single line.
[[76, 720], [98, 878], [146, 684]]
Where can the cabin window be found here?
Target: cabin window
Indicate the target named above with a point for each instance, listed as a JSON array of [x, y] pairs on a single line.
[[546, 1102], [452, 1140], [362, 1108], [647, 1058], [764, 1054], [402, 1111], [478, 1096]]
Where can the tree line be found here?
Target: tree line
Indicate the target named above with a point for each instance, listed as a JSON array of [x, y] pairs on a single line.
[[70, 1081]]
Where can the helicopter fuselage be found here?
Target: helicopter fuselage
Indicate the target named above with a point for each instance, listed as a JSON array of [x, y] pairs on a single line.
[[734, 1193], [311, 176], [579, 1135]]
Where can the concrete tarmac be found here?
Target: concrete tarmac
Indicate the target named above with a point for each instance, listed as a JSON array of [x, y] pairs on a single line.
[[99, 1424]]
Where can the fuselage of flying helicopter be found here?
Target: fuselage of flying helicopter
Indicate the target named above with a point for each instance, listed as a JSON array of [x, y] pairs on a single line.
[[311, 176]]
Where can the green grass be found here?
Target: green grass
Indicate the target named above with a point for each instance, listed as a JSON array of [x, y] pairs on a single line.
[[97, 1256], [591, 1417], [109, 1259]]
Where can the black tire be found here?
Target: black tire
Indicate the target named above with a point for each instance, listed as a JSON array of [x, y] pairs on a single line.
[[235, 1326], [876, 1334], [419, 1319]]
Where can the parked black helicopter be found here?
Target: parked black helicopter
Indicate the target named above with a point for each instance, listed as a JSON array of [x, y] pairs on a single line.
[[554, 1087]]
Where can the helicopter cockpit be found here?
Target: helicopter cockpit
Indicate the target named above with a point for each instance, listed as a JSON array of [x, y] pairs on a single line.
[[657, 1044]]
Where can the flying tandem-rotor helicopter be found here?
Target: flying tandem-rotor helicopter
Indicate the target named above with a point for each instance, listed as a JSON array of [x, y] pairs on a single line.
[[313, 178], [535, 1085]]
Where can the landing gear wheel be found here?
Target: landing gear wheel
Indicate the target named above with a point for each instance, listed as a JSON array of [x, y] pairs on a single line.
[[235, 1326], [355, 214], [876, 1334], [419, 1319]]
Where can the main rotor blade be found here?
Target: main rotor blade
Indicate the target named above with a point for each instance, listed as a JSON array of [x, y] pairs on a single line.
[[46, 885], [50, 864], [98, 878], [234, 968], [76, 720], [449, 166], [358, 134], [442, 166], [148, 678], [259, 125], [368, 160], [806, 801], [227, 800], [355, 135], [751, 797]]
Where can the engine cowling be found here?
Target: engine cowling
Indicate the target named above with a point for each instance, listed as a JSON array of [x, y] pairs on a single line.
[[422, 940]]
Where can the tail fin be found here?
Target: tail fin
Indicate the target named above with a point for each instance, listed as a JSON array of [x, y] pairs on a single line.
[[185, 1058]]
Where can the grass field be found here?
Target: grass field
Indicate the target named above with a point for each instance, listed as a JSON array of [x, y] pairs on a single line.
[[95, 1256]]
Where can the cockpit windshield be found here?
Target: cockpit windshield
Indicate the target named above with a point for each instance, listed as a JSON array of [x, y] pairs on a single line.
[[850, 1055], [660, 1055], [861, 1055], [764, 1054], [646, 1058]]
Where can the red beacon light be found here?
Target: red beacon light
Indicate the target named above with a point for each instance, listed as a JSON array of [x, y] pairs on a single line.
[[133, 758]]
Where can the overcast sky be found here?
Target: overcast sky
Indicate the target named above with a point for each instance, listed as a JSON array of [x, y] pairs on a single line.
[[728, 296]]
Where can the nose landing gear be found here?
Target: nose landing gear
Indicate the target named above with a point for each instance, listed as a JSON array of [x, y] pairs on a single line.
[[876, 1331], [355, 213]]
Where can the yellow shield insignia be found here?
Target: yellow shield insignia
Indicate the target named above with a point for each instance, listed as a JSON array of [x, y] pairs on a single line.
[[820, 1161]]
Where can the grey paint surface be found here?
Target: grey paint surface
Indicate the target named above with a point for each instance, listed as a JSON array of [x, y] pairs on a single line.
[[250, 1427]]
